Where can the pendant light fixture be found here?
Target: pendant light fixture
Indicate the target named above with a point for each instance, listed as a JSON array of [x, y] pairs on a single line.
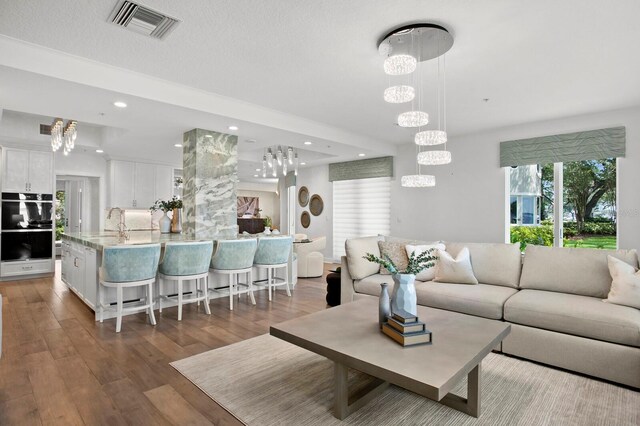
[[283, 161], [406, 50], [63, 136]]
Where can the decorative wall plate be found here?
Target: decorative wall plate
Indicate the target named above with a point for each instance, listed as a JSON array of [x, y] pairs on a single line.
[[305, 219], [316, 205], [303, 196]]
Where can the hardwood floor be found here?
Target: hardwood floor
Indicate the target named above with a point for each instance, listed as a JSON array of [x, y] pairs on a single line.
[[59, 366]]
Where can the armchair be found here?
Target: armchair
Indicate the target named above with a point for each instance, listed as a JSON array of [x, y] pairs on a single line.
[[310, 258]]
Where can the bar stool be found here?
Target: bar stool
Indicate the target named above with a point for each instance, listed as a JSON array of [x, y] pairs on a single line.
[[126, 266], [183, 261], [273, 254], [235, 257]]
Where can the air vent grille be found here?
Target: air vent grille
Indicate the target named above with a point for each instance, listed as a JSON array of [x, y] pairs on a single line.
[[142, 20], [45, 129]]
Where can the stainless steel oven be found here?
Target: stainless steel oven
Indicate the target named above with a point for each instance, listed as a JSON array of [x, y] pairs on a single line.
[[26, 226]]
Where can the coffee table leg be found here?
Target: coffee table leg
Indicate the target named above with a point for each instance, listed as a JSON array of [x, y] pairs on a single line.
[[344, 405], [471, 404]]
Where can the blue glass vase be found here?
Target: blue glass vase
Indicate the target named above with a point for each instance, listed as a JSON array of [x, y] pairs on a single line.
[[404, 294]]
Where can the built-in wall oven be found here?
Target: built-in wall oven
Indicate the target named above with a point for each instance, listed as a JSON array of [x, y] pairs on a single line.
[[26, 230]]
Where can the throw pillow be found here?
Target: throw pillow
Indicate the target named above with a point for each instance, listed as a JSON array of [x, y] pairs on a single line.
[[430, 273], [396, 252], [625, 288], [458, 270]]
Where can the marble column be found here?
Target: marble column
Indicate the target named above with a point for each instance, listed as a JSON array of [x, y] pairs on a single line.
[[210, 172]]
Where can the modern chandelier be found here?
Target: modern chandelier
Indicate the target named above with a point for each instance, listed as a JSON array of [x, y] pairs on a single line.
[[63, 135], [406, 50], [278, 159]]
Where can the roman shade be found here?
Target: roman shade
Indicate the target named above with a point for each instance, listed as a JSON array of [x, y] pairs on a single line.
[[578, 146], [361, 169]]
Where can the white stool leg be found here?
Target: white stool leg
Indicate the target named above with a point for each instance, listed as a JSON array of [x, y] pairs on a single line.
[[232, 277], [100, 302], [269, 275], [119, 310], [250, 277], [160, 284], [152, 318], [179, 299], [205, 284], [286, 279]]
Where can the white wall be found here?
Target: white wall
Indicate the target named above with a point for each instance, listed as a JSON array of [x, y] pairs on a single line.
[[269, 203], [468, 202], [316, 179]]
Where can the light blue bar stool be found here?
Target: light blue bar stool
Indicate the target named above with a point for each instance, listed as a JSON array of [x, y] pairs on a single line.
[[273, 254], [183, 261], [125, 266], [235, 257]]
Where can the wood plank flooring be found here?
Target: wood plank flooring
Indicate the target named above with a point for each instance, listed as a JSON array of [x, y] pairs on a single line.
[[59, 366]]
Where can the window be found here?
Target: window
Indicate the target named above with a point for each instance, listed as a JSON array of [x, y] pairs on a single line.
[[586, 214], [361, 207]]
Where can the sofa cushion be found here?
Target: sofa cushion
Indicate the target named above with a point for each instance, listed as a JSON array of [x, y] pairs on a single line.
[[493, 263], [571, 270], [396, 252], [574, 314], [427, 274], [371, 284], [458, 270], [625, 287], [480, 300], [356, 248]]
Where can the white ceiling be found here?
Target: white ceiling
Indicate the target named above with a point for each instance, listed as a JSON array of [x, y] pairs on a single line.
[[534, 60]]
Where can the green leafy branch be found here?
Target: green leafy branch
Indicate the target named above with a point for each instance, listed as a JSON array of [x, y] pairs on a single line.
[[416, 263], [168, 205]]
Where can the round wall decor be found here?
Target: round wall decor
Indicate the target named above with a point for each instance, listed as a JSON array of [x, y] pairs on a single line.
[[316, 205], [303, 196], [305, 219]]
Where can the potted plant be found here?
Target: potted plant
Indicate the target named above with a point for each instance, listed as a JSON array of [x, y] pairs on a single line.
[[173, 224], [268, 223], [403, 297]]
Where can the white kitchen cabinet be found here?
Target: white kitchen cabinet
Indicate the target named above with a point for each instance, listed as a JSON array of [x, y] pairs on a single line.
[[164, 182], [138, 185], [80, 271], [27, 171], [144, 185]]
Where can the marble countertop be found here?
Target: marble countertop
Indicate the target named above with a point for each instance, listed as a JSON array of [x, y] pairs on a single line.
[[98, 240]]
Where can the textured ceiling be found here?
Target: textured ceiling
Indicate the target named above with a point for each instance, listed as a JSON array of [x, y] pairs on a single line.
[[318, 59]]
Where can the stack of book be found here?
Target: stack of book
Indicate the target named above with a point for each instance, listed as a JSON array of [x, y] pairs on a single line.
[[406, 329]]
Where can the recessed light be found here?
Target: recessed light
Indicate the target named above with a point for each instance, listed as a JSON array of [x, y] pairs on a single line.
[[257, 170], [308, 143], [250, 141], [177, 145], [303, 164], [255, 175], [99, 151], [233, 127], [120, 104], [361, 155]]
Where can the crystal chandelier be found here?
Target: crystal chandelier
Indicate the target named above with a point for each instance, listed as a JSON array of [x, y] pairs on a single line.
[[276, 158], [63, 136], [404, 48]]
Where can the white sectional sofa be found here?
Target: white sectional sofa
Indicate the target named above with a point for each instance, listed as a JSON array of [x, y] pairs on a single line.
[[553, 298]]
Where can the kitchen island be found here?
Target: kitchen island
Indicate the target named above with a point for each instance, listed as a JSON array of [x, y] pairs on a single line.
[[82, 258]]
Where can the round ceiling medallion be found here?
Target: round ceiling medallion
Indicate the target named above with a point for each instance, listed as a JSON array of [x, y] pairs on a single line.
[[316, 205], [303, 196], [421, 41], [305, 219]]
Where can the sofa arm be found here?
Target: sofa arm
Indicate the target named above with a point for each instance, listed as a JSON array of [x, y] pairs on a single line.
[[346, 283]]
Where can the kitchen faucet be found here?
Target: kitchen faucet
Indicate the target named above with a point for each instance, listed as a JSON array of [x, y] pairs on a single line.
[[122, 229]]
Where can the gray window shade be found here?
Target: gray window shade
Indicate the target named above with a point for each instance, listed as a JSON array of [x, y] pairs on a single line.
[[361, 169], [588, 145]]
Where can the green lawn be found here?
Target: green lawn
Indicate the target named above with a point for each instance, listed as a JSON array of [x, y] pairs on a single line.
[[596, 242]]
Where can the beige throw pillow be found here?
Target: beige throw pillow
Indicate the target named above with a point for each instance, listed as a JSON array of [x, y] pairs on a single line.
[[625, 288], [396, 252], [458, 270], [430, 273], [355, 248]]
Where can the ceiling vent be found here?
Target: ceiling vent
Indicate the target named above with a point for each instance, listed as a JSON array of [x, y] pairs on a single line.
[[142, 20], [45, 129]]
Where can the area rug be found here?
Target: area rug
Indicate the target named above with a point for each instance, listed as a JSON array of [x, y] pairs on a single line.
[[266, 381]]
